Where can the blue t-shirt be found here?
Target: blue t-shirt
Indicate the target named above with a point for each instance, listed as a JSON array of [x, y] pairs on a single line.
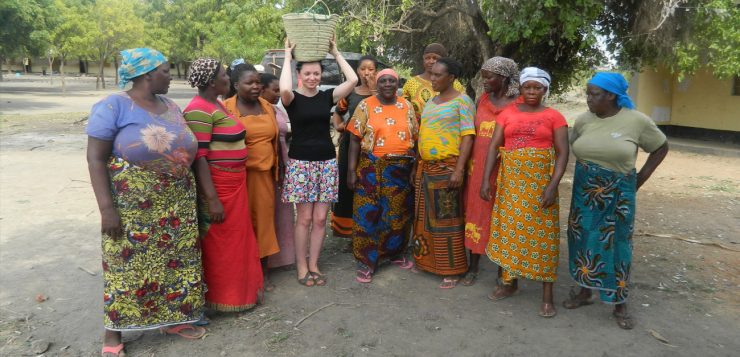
[[158, 142]]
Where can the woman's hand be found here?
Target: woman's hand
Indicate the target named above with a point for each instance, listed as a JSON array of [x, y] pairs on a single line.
[[216, 210], [333, 47], [547, 198], [371, 82], [485, 190], [340, 127], [351, 180], [456, 179], [289, 47], [111, 223]]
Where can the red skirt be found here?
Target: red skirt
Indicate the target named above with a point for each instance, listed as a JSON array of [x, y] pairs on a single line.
[[231, 262]]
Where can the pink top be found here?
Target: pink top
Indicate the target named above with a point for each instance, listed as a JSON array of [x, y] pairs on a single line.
[[529, 130]]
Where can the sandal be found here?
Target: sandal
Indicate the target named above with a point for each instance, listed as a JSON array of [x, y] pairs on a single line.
[[306, 279], [624, 320], [469, 278], [115, 350], [449, 283], [544, 310], [364, 276], [403, 263], [499, 293], [198, 331], [318, 278], [575, 301]]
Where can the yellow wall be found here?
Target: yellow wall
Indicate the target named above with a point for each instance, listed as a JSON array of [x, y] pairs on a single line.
[[698, 101], [651, 89], [704, 101]]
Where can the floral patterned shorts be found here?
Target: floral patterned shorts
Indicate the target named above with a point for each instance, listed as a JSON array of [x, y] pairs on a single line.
[[311, 181]]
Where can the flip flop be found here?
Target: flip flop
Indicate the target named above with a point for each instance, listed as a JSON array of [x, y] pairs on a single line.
[[449, 283], [574, 302], [178, 330], [319, 279], [364, 276], [546, 314], [624, 320], [116, 350], [469, 279], [304, 281], [403, 263]]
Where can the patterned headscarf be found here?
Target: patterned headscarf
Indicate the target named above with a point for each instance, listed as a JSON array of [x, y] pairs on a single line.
[[437, 48], [202, 71], [614, 83], [138, 61], [236, 62], [505, 67]]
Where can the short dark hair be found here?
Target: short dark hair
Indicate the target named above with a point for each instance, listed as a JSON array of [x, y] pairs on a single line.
[[370, 58], [300, 65], [454, 67], [267, 78], [236, 73]]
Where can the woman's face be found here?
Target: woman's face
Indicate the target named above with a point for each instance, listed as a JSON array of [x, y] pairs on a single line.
[[161, 78], [249, 86], [387, 87], [441, 79], [493, 82], [271, 92], [366, 71], [599, 101], [429, 60], [533, 92], [310, 75], [221, 82]]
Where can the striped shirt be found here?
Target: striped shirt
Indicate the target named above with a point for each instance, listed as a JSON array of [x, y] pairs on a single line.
[[444, 125], [220, 136]]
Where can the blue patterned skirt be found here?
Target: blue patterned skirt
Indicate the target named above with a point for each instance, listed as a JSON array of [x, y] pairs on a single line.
[[600, 226]]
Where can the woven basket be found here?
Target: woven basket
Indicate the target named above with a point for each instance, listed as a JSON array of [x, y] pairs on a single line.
[[311, 33]]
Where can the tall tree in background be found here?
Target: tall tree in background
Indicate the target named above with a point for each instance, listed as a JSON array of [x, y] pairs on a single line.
[[71, 36], [116, 27], [22, 29]]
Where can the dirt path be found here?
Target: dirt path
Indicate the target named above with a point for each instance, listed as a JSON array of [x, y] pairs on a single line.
[[688, 293]]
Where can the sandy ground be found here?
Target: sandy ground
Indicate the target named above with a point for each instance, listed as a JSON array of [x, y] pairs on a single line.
[[688, 292]]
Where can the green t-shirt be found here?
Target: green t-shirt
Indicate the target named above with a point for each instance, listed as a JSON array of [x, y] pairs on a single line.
[[612, 142]]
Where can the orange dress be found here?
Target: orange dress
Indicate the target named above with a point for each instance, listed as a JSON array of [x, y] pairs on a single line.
[[262, 143]]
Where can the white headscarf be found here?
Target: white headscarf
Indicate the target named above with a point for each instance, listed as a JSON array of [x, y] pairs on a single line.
[[537, 75]]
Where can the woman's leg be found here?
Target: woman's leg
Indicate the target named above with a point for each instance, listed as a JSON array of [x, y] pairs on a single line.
[[548, 307], [111, 339], [624, 320], [318, 230], [302, 226]]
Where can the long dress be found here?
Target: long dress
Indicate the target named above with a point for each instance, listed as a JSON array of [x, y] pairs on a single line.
[[152, 274], [262, 162], [284, 212], [478, 210], [383, 199], [525, 237], [231, 262], [602, 210], [341, 219], [439, 225]]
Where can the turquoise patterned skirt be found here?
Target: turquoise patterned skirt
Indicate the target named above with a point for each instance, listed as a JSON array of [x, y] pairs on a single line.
[[600, 226]]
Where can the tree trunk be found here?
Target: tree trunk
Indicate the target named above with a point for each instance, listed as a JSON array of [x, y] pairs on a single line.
[[61, 73], [177, 65], [2, 61], [51, 70], [115, 65], [101, 73]]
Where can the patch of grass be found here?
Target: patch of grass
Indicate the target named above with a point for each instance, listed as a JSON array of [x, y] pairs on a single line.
[[341, 331], [274, 343]]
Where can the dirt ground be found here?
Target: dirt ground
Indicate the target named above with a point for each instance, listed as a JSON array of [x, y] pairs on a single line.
[[685, 284]]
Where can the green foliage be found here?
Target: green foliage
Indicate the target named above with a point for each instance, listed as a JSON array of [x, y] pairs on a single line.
[[23, 28]]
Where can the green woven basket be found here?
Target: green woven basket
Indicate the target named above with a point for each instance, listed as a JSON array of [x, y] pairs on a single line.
[[311, 33]]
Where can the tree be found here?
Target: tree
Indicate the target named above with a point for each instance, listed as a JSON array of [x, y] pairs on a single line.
[[22, 28], [116, 27], [71, 35]]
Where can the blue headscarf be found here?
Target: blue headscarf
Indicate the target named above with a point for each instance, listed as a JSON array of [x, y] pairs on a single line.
[[614, 83], [138, 61]]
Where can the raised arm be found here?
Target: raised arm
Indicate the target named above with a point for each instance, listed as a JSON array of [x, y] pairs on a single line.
[[491, 157], [98, 153], [350, 76], [286, 75], [560, 142], [653, 160]]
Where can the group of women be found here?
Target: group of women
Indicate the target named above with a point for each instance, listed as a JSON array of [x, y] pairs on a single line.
[[197, 205]]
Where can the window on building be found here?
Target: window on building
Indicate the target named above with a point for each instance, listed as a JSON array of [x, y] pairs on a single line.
[[736, 85]]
